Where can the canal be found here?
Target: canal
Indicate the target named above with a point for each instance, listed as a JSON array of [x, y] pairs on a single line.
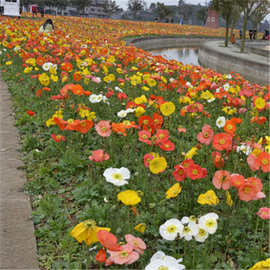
[[185, 55]]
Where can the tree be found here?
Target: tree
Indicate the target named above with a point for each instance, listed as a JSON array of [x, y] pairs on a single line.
[[249, 7], [202, 14], [111, 7], [81, 4], [224, 7], [135, 5], [163, 11], [260, 13]]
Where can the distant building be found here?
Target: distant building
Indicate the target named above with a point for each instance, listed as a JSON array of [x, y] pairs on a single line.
[[212, 19]]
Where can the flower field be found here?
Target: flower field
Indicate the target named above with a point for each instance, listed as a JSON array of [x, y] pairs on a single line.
[[134, 161]]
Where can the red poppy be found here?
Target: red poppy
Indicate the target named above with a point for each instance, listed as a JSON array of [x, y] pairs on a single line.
[[30, 113], [186, 163], [101, 256], [60, 123], [195, 171], [218, 160], [258, 119], [145, 120], [157, 120], [222, 141], [167, 145], [179, 173], [108, 240], [58, 138]]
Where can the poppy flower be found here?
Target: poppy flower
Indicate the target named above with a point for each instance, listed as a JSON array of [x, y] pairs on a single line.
[[194, 172], [108, 240], [221, 179], [161, 136], [206, 136], [129, 197], [173, 191], [222, 141], [186, 163], [87, 231], [157, 120], [208, 197], [218, 160], [247, 192], [167, 145], [30, 113], [103, 128], [136, 242], [230, 127], [158, 165], [124, 256], [84, 126], [253, 162], [237, 180], [179, 173], [58, 138], [264, 161], [99, 155], [144, 136], [264, 213], [101, 256]]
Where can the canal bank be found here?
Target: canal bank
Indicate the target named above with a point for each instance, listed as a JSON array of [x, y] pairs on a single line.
[[213, 54]]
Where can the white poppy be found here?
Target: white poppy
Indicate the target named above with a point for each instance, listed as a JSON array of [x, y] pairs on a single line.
[[117, 176], [46, 66], [122, 114], [220, 122], [170, 229], [95, 98], [201, 236], [189, 230], [244, 148], [208, 222], [161, 261], [226, 87]]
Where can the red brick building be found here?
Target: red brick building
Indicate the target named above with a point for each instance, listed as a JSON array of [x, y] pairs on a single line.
[[212, 19]]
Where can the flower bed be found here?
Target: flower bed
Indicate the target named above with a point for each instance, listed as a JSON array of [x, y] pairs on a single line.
[[134, 161]]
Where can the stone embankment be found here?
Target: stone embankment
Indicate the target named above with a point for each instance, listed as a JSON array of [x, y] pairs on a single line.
[[253, 65]]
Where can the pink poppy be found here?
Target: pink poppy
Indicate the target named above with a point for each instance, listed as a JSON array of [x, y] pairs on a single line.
[[162, 135], [99, 155], [237, 180], [125, 256], [145, 136], [103, 128], [264, 213], [253, 162], [221, 179], [259, 195], [247, 192], [147, 158], [136, 242], [206, 136]]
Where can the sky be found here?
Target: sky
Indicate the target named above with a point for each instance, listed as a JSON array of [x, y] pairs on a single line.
[[123, 3]]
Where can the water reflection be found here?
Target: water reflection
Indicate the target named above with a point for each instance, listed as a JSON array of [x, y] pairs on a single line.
[[184, 55]]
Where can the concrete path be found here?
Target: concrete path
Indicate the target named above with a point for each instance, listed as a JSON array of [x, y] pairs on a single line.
[[17, 240]]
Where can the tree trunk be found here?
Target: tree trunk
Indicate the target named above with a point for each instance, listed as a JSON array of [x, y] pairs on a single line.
[[244, 34], [227, 31], [232, 28]]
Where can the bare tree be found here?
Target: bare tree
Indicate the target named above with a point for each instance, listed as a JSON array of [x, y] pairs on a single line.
[[225, 7], [249, 7]]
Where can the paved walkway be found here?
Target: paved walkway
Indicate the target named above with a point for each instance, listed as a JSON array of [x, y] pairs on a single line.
[[17, 241]]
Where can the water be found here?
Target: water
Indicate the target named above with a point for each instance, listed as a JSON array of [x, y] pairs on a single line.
[[184, 55]]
